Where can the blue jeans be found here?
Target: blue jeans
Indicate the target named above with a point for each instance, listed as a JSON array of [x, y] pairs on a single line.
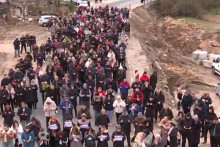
[[8, 144], [109, 113], [17, 52], [96, 114]]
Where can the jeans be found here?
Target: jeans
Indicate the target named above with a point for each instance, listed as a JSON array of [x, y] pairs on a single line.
[[109, 113], [8, 144], [17, 52], [24, 123], [96, 114]]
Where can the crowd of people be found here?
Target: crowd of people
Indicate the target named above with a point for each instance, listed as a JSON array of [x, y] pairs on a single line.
[[84, 63]]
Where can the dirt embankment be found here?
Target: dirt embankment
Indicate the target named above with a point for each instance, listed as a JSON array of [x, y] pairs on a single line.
[[169, 43]]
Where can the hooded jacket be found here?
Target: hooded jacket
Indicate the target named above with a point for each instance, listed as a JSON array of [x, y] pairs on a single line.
[[49, 107], [145, 78], [209, 117], [124, 87]]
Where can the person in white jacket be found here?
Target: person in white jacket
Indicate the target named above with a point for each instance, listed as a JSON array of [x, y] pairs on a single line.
[[119, 106], [49, 108], [18, 130]]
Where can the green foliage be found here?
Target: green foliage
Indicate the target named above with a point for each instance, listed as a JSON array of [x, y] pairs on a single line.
[[188, 8], [72, 7]]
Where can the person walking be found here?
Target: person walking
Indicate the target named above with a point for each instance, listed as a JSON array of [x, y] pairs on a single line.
[[28, 137], [17, 47], [125, 120], [187, 130], [67, 107], [49, 108], [18, 130], [7, 136], [8, 116], [118, 137], [119, 105], [24, 113]]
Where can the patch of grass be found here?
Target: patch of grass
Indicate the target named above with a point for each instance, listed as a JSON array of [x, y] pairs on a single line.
[[72, 7], [215, 11], [191, 19]]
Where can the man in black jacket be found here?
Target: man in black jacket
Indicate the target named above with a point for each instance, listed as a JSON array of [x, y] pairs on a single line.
[[23, 43], [159, 99], [187, 124], [118, 137], [102, 119], [3, 96], [187, 102], [24, 112], [125, 120], [209, 117], [147, 92], [214, 127]]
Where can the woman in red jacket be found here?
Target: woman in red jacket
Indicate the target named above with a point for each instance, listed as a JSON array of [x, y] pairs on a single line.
[[138, 96]]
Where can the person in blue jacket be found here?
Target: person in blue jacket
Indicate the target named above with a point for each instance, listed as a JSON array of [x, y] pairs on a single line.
[[67, 107], [28, 137]]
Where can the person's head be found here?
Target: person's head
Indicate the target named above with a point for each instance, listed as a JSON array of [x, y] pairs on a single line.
[[7, 107], [83, 107], [66, 99], [158, 90], [206, 95], [42, 131], [137, 90], [64, 85], [6, 127], [23, 104], [83, 117], [118, 128], [140, 115], [99, 89], [85, 85], [146, 83], [27, 128], [188, 115], [157, 138], [186, 93], [103, 128], [125, 80], [103, 112], [52, 87], [210, 109], [166, 107], [125, 112], [53, 119], [75, 130], [196, 118], [119, 98], [15, 124]]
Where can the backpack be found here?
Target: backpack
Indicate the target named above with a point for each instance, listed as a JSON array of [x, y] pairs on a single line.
[[149, 140]]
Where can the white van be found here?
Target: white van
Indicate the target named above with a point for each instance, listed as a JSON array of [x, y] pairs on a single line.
[[216, 66], [44, 19]]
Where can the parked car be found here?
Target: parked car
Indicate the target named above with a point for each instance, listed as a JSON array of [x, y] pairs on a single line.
[[44, 19], [83, 4], [216, 66]]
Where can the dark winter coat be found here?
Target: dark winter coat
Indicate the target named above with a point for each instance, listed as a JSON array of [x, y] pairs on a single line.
[[102, 120], [103, 143], [34, 89], [3, 96], [159, 98], [196, 132], [26, 111], [167, 113], [29, 97], [147, 92], [118, 143], [126, 122], [173, 137], [8, 118], [90, 140], [108, 104]]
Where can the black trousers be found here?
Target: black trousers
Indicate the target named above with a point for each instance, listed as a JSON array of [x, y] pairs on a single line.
[[206, 129], [187, 134], [117, 116], [214, 141], [23, 46], [127, 133], [30, 104], [11, 102]]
